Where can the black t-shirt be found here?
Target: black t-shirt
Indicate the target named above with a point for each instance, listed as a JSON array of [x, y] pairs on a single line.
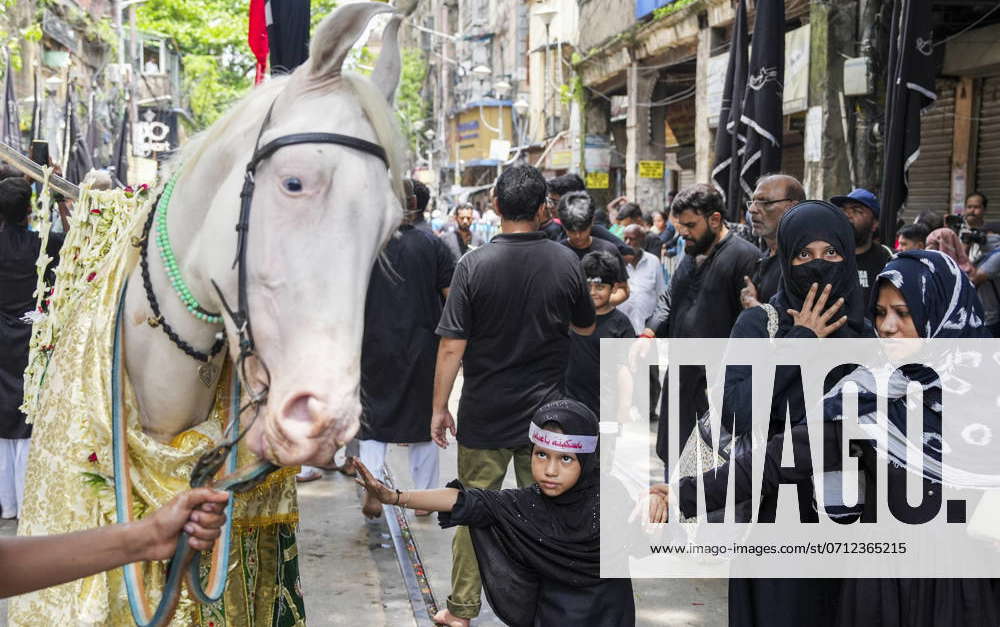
[[606, 246], [870, 264], [583, 378], [513, 300], [767, 277]]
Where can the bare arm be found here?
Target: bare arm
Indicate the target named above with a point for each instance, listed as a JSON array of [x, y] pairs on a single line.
[[449, 358], [33, 563], [439, 500], [619, 294]]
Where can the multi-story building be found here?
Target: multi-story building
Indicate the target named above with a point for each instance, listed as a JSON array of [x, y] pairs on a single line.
[[500, 86], [653, 73]]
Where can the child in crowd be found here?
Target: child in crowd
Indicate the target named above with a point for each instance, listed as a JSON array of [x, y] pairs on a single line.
[[912, 237], [538, 547], [583, 378]]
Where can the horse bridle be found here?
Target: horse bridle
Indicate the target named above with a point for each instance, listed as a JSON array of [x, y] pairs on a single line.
[[241, 316], [208, 465]]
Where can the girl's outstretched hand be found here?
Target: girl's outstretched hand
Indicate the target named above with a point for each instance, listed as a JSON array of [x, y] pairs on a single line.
[[376, 488]]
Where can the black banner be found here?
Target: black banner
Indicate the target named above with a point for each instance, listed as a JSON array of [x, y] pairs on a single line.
[[730, 136], [909, 91], [762, 106]]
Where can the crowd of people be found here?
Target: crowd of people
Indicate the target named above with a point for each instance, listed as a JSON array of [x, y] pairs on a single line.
[[521, 313], [523, 316]]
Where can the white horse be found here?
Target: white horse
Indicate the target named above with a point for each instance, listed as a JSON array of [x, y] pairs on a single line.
[[321, 213]]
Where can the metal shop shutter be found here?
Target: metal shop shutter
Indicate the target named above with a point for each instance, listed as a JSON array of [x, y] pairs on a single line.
[[988, 147], [930, 175]]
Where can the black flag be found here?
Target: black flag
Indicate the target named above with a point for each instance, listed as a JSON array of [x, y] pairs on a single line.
[[120, 158], [78, 160], [730, 136], [10, 118], [762, 107], [910, 90], [287, 33]]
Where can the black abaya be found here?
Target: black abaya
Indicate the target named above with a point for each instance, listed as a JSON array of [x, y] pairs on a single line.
[[19, 250]]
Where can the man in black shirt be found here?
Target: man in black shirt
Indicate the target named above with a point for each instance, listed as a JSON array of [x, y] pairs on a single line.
[[704, 295], [775, 194], [461, 239], [576, 210], [507, 321], [863, 209], [583, 372]]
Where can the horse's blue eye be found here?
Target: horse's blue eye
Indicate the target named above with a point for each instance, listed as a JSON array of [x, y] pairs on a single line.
[[292, 184]]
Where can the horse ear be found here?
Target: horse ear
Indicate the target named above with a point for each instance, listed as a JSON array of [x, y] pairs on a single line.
[[389, 64], [337, 33]]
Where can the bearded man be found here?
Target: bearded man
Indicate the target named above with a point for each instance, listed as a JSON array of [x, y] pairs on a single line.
[[704, 295]]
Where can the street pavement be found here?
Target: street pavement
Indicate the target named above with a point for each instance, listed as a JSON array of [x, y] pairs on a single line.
[[351, 577]]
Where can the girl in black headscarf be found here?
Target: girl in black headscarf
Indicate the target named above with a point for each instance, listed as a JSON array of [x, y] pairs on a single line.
[[538, 548]]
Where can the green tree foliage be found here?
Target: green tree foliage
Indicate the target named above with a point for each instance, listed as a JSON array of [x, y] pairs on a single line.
[[410, 102], [212, 38]]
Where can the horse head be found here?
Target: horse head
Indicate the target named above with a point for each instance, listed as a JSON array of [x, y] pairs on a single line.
[[320, 215]]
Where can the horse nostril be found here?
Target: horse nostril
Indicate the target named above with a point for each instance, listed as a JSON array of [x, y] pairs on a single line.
[[302, 414]]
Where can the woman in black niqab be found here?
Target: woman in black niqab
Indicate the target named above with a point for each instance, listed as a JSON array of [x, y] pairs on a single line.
[[807, 222], [794, 602], [539, 555]]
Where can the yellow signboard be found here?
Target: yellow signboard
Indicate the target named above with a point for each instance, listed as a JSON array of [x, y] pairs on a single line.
[[651, 169], [597, 180]]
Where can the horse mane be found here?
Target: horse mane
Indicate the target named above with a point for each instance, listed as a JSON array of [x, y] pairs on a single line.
[[246, 115], [386, 125]]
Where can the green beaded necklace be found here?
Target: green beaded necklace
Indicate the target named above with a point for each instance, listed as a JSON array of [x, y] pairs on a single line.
[[170, 260]]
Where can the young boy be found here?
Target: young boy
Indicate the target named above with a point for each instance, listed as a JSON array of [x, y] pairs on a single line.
[[912, 237], [583, 378]]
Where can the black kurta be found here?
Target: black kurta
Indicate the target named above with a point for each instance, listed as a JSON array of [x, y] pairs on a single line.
[[19, 250], [399, 347]]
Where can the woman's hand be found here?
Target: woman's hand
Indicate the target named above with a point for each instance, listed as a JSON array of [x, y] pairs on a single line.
[[199, 512], [375, 488], [813, 317], [657, 508]]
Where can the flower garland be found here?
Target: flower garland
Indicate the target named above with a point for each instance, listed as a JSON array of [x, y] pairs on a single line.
[[98, 220]]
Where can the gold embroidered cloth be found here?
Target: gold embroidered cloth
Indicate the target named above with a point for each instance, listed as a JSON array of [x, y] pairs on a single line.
[[71, 412]]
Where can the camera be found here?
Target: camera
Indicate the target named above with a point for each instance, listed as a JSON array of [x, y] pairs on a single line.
[[967, 234], [973, 236]]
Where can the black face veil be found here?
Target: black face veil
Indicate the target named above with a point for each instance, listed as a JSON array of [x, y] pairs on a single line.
[[811, 221]]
